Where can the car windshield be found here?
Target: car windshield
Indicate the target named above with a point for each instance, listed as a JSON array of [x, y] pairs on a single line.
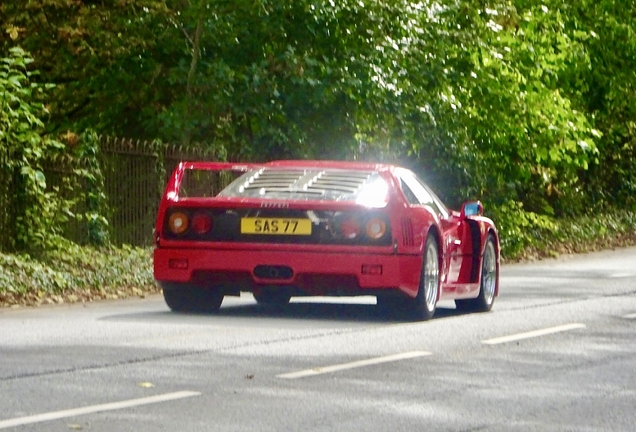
[[364, 187]]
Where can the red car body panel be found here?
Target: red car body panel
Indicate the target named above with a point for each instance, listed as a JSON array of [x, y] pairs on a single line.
[[311, 270], [324, 269]]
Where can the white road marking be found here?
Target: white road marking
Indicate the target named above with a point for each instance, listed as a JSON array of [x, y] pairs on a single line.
[[355, 364], [532, 334], [620, 275], [56, 415], [630, 316]]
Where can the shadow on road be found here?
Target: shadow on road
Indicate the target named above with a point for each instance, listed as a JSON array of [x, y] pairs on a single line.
[[344, 312]]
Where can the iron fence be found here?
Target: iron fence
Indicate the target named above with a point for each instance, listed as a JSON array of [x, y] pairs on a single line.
[[134, 172]]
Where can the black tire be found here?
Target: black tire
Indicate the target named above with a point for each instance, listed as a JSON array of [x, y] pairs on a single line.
[[488, 282], [391, 306], [423, 306], [272, 297], [186, 298]]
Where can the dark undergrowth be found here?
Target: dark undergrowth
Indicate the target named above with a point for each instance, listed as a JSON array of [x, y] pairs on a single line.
[[75, 274]]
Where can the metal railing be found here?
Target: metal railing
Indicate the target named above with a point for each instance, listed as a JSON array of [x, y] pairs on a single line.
[[134, 172]]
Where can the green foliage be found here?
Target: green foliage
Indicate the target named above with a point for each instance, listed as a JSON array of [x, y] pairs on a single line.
[[95, 198], [41, 210], [96, 53], [519, 228], [552, 237], [103, 268], [75, 273], [20, 274], [520, 102], [498, 126], [268, 78], [38, 212], [606, 91]]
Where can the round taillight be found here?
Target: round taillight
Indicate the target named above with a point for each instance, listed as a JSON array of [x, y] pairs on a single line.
[[178, 222], [201, 223], [350, 229], [375, 228]]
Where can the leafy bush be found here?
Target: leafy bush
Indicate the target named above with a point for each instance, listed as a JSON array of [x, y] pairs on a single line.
[[519, 229], [526, 235], [75, 273], [38, 212]]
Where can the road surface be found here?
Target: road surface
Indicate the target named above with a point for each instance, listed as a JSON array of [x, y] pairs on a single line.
[[557, 353]]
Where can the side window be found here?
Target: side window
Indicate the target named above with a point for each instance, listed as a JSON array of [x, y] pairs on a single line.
[[417, 193], [408, 193], [436, 202], [421, 194]]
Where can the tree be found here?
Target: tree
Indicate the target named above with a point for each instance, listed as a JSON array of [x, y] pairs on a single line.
[[606, 90], [505, 101], [98, 55]]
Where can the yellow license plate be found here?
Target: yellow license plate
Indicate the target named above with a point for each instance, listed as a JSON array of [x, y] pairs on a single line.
[[280, 226]]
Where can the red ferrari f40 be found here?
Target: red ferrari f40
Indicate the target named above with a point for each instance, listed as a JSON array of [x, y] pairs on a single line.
[[320, 228]]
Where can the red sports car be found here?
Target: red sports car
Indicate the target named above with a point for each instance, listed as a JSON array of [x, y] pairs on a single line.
[[320, 228]]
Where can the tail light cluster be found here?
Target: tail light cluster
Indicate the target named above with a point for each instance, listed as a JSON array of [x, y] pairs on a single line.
[[199, 223], [328, 227], [357, 228]]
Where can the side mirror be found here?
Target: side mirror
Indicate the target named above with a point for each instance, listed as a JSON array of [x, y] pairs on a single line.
[[472, 208]]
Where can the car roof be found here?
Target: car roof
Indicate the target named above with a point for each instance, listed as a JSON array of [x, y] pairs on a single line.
[[291, 164]]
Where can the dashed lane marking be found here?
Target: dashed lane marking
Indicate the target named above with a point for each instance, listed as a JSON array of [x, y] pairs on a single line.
[[352, 365], [532, 334], [56, 415], [621, 275]]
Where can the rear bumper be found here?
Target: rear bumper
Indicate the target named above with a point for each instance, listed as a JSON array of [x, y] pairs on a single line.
[[313, 273]]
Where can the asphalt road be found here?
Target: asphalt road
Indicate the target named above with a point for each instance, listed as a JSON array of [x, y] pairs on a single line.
[[558, 353]]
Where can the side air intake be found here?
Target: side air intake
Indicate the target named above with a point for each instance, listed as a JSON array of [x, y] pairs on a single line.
[[407, 233]]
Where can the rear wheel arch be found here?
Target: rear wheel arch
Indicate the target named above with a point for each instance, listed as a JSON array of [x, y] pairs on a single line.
[[479, 242], [433, 231], [488, 280], [495, 236]]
